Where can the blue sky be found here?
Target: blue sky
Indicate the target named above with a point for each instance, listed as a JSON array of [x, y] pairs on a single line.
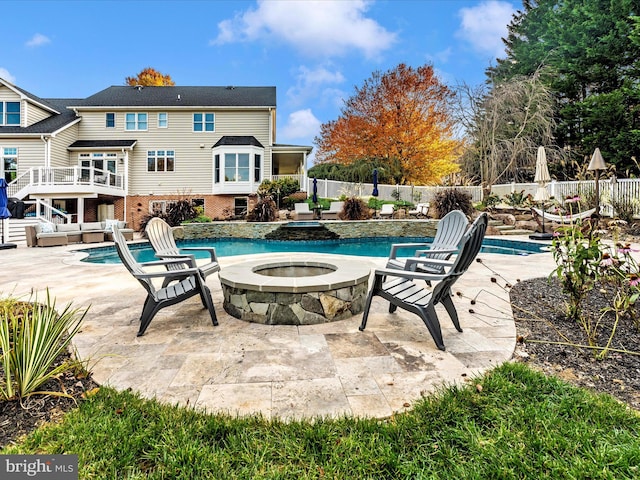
[[314, 52]]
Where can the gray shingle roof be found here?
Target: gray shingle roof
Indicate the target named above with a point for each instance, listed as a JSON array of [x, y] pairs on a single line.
[[102, 144], [126, 96], [238, 140], [50, 124]]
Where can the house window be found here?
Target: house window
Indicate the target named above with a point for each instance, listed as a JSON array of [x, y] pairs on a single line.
[[236, 167], [9, 113], [160, 206], [161, 160], [204, 122], [103, 165], [136, 121], [240, 206], [9, 163], [110, 120], [256, 167], [162, 120], [216, 169]]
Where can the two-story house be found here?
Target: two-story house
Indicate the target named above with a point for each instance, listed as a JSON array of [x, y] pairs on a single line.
[[126, 151]]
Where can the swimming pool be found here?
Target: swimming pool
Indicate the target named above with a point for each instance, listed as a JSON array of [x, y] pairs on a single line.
[[364, 247]]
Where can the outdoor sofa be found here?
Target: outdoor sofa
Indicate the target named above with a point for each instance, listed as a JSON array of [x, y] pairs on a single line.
[[51, 235]]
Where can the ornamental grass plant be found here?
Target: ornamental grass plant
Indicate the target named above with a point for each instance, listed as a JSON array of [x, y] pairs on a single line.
[[33, 335]]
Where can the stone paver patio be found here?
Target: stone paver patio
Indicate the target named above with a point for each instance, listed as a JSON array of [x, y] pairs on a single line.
[[286, 371]]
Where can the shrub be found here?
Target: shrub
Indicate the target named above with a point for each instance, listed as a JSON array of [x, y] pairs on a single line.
[[181, 211], [279, 190], [623, 209], [264, 211], [452, 199], [354, 209], [32, 337]]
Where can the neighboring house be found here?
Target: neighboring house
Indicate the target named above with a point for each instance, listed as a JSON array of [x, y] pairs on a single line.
[[139, 148]]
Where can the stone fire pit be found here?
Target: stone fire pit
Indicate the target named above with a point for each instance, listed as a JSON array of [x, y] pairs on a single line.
[[295, 290]]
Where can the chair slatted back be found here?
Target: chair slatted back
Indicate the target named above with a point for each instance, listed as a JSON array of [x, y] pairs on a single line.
[[160, 235], [451, 229], [470, 247], [130, 262]]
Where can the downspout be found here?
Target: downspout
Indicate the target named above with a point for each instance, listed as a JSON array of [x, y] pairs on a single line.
[[47, 150], [125, 154]]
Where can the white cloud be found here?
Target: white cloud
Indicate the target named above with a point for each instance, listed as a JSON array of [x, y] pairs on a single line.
[[315, 27], [310, 83], [301, 124], [4, 74], [484, 26], [38, 40]]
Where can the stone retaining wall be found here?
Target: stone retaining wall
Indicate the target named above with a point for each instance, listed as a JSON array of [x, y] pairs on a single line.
[[284, 308], [343, 229]]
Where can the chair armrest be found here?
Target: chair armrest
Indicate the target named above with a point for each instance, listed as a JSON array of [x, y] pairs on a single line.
[[413, 275], [166, 255], [184, 260], [396, 246], [170, 273], [210, 250], [412, 263], [437, 250]]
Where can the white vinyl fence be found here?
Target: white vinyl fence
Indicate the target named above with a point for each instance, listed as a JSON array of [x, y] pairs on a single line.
[[409, 193], [622, 190]]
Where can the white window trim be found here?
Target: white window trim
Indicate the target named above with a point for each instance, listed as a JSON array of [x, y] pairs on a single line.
[[236, 149], [165, 157], [3, 116], [204, 122], [166, 120], [105, 119], [137, 128]]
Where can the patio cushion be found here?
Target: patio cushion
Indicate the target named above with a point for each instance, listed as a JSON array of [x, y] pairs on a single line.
[[68, 227], [45, 228], [95, 226], [109, 224]]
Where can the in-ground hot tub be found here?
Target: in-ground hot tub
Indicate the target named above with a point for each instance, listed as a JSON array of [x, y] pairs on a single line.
[[294, 290]]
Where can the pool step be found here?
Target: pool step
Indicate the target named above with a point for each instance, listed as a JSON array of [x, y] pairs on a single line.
[[509, 229]]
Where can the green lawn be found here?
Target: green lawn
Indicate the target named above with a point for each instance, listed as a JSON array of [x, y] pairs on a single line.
[[510, 423]]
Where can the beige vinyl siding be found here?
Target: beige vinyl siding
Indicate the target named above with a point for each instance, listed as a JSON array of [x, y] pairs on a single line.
[[7, 95], [30, 152], [193, 163], [34, 113], [60, 156]]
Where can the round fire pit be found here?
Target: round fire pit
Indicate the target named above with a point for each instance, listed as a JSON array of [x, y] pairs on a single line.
[[293, 290]]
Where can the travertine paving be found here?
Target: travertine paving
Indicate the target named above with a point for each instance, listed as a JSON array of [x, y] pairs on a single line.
[[286, 371]]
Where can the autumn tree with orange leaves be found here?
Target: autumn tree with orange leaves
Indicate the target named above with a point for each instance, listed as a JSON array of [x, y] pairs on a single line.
[[402, 120], [150, 77]]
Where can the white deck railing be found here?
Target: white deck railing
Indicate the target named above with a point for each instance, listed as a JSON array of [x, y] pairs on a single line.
[[64, 176]]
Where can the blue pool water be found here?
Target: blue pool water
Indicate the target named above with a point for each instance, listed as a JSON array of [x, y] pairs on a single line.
[[367, 247]]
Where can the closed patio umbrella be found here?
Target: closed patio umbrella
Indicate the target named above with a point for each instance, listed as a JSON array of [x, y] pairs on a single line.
[[375, 182], [542, 177], [314, 197], [4, 212]]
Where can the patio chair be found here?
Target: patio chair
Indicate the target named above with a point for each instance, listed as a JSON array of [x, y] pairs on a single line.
[[445, 243], [421, 210], [334, 209], [386, 210], [189, 282], [400, 290], [302, 212], [160, 235]]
